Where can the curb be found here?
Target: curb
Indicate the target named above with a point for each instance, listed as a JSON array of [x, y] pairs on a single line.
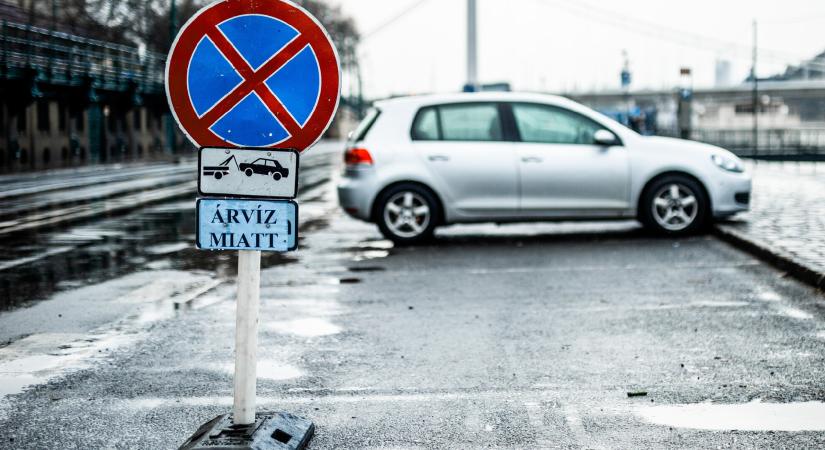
[[775, 257]]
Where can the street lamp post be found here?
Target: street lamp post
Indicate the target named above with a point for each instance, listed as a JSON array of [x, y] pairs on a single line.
[[472, 47], [755, 95]]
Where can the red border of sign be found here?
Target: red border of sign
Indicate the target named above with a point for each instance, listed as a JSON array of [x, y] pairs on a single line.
[[206, 21]]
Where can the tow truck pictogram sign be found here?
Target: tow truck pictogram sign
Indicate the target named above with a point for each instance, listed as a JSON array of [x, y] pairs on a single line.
[[253, 74], [248, 173]]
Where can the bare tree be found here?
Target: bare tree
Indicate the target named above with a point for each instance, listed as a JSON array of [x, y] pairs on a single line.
[[148, 22]]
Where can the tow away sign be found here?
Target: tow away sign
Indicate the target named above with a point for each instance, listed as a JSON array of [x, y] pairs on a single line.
[[248, 173], [235, 224]]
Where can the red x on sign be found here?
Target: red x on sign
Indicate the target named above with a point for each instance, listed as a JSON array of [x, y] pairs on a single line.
[[258, 73]]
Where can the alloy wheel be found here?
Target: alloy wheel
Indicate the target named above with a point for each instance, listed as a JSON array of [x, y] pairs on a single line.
[[407, 214], [675, 207]]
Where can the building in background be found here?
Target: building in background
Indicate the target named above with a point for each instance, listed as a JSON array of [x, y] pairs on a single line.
[[722, 74], [790, 107], [73, 93], [812, 69], [67, 100]]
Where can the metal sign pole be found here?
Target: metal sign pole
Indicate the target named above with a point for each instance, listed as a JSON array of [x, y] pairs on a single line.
[[248, 206], [246, 336]]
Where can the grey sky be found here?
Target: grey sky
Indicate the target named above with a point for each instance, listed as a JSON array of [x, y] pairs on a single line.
[[558, 45]]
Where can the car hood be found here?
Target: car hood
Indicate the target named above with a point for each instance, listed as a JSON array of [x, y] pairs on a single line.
[[667, 144]]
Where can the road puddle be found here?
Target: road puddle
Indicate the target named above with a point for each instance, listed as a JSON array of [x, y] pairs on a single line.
[[795, 313], [272, 370], [165, 249], [310, 327], [42, 357], [753, 416], [269, 370], [769, 296]]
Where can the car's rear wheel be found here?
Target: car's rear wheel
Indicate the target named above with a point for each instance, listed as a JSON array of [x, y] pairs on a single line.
[[675, 205], [276, 176], [407, 214], [249, 172], [218, 175]]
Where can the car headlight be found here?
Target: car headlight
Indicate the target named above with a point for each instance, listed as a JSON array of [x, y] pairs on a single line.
[[731, 164]]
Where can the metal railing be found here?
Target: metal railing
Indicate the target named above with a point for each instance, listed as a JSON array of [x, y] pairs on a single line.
[[791, 144], [63, 58]]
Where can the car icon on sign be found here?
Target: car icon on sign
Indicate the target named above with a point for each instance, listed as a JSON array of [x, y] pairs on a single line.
[[263, 166]]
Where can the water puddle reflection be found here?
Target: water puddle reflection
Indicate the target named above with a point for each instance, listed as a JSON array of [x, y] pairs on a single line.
[[269, 370], [753, 416], [39, 358], [310, 327]]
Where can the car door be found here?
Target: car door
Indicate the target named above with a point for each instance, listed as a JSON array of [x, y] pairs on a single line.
[[465, 148], [562, 170]]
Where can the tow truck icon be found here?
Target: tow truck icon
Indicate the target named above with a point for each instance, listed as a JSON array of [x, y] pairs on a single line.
[[261, 166]]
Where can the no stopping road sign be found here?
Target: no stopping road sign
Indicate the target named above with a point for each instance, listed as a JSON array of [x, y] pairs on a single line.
[[247, 73]]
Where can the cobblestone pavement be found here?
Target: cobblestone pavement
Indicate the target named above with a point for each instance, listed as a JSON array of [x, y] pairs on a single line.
[[788, 212]]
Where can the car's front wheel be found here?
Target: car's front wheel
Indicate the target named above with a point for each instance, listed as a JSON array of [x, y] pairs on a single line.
[[407, 214], [675, 205]]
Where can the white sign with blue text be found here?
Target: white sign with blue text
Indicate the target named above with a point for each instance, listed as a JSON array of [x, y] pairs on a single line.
[[236, 224]]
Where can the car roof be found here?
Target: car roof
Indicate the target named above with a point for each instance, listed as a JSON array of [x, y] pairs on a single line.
[[413, 103], [435, 99]]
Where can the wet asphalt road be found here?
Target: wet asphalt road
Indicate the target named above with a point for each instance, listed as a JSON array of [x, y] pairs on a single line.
[[37, 264], [525, 336]]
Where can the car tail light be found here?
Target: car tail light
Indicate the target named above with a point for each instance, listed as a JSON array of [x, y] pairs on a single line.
[[355, 156]]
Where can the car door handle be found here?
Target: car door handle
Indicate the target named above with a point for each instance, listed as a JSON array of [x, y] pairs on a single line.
[[436, 158], [532, 159]]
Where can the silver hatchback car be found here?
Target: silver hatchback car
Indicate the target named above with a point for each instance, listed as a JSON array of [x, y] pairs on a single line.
[[417, 163]]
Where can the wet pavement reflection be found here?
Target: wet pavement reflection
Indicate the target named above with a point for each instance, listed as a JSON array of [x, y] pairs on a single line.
[[37, 264]]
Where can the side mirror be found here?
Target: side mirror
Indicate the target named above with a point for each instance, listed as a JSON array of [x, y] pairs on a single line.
[[605, 138]]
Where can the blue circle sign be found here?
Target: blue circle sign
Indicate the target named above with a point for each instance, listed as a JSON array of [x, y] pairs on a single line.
[[253, 74]]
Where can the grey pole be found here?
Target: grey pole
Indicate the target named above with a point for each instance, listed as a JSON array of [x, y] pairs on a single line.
[[472, 46], [755, 95]]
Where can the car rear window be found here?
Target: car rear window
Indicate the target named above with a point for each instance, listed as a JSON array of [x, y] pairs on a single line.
[[470, 122], [365, 126], [425, 127]]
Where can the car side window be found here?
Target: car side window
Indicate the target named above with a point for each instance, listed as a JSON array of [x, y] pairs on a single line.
[[425, 127], [470, 122], [547, 124]]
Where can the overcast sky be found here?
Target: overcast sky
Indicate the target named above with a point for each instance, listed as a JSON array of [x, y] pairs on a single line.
[[564, 45]]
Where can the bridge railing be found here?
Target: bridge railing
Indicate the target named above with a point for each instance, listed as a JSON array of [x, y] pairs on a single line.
[[64, 58]]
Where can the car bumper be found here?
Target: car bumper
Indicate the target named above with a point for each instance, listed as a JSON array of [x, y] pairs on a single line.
[[731, 194], [356, 192]]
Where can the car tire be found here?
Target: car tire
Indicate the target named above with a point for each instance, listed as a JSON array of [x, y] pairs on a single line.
[[407, 214], [249, 172], [276, 176], [218, 175], [675, 205]]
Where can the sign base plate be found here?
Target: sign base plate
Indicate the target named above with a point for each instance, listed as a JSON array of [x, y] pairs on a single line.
[[271, 431]]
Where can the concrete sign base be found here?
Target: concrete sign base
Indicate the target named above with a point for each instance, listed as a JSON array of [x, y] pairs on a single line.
[[271, 431]]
